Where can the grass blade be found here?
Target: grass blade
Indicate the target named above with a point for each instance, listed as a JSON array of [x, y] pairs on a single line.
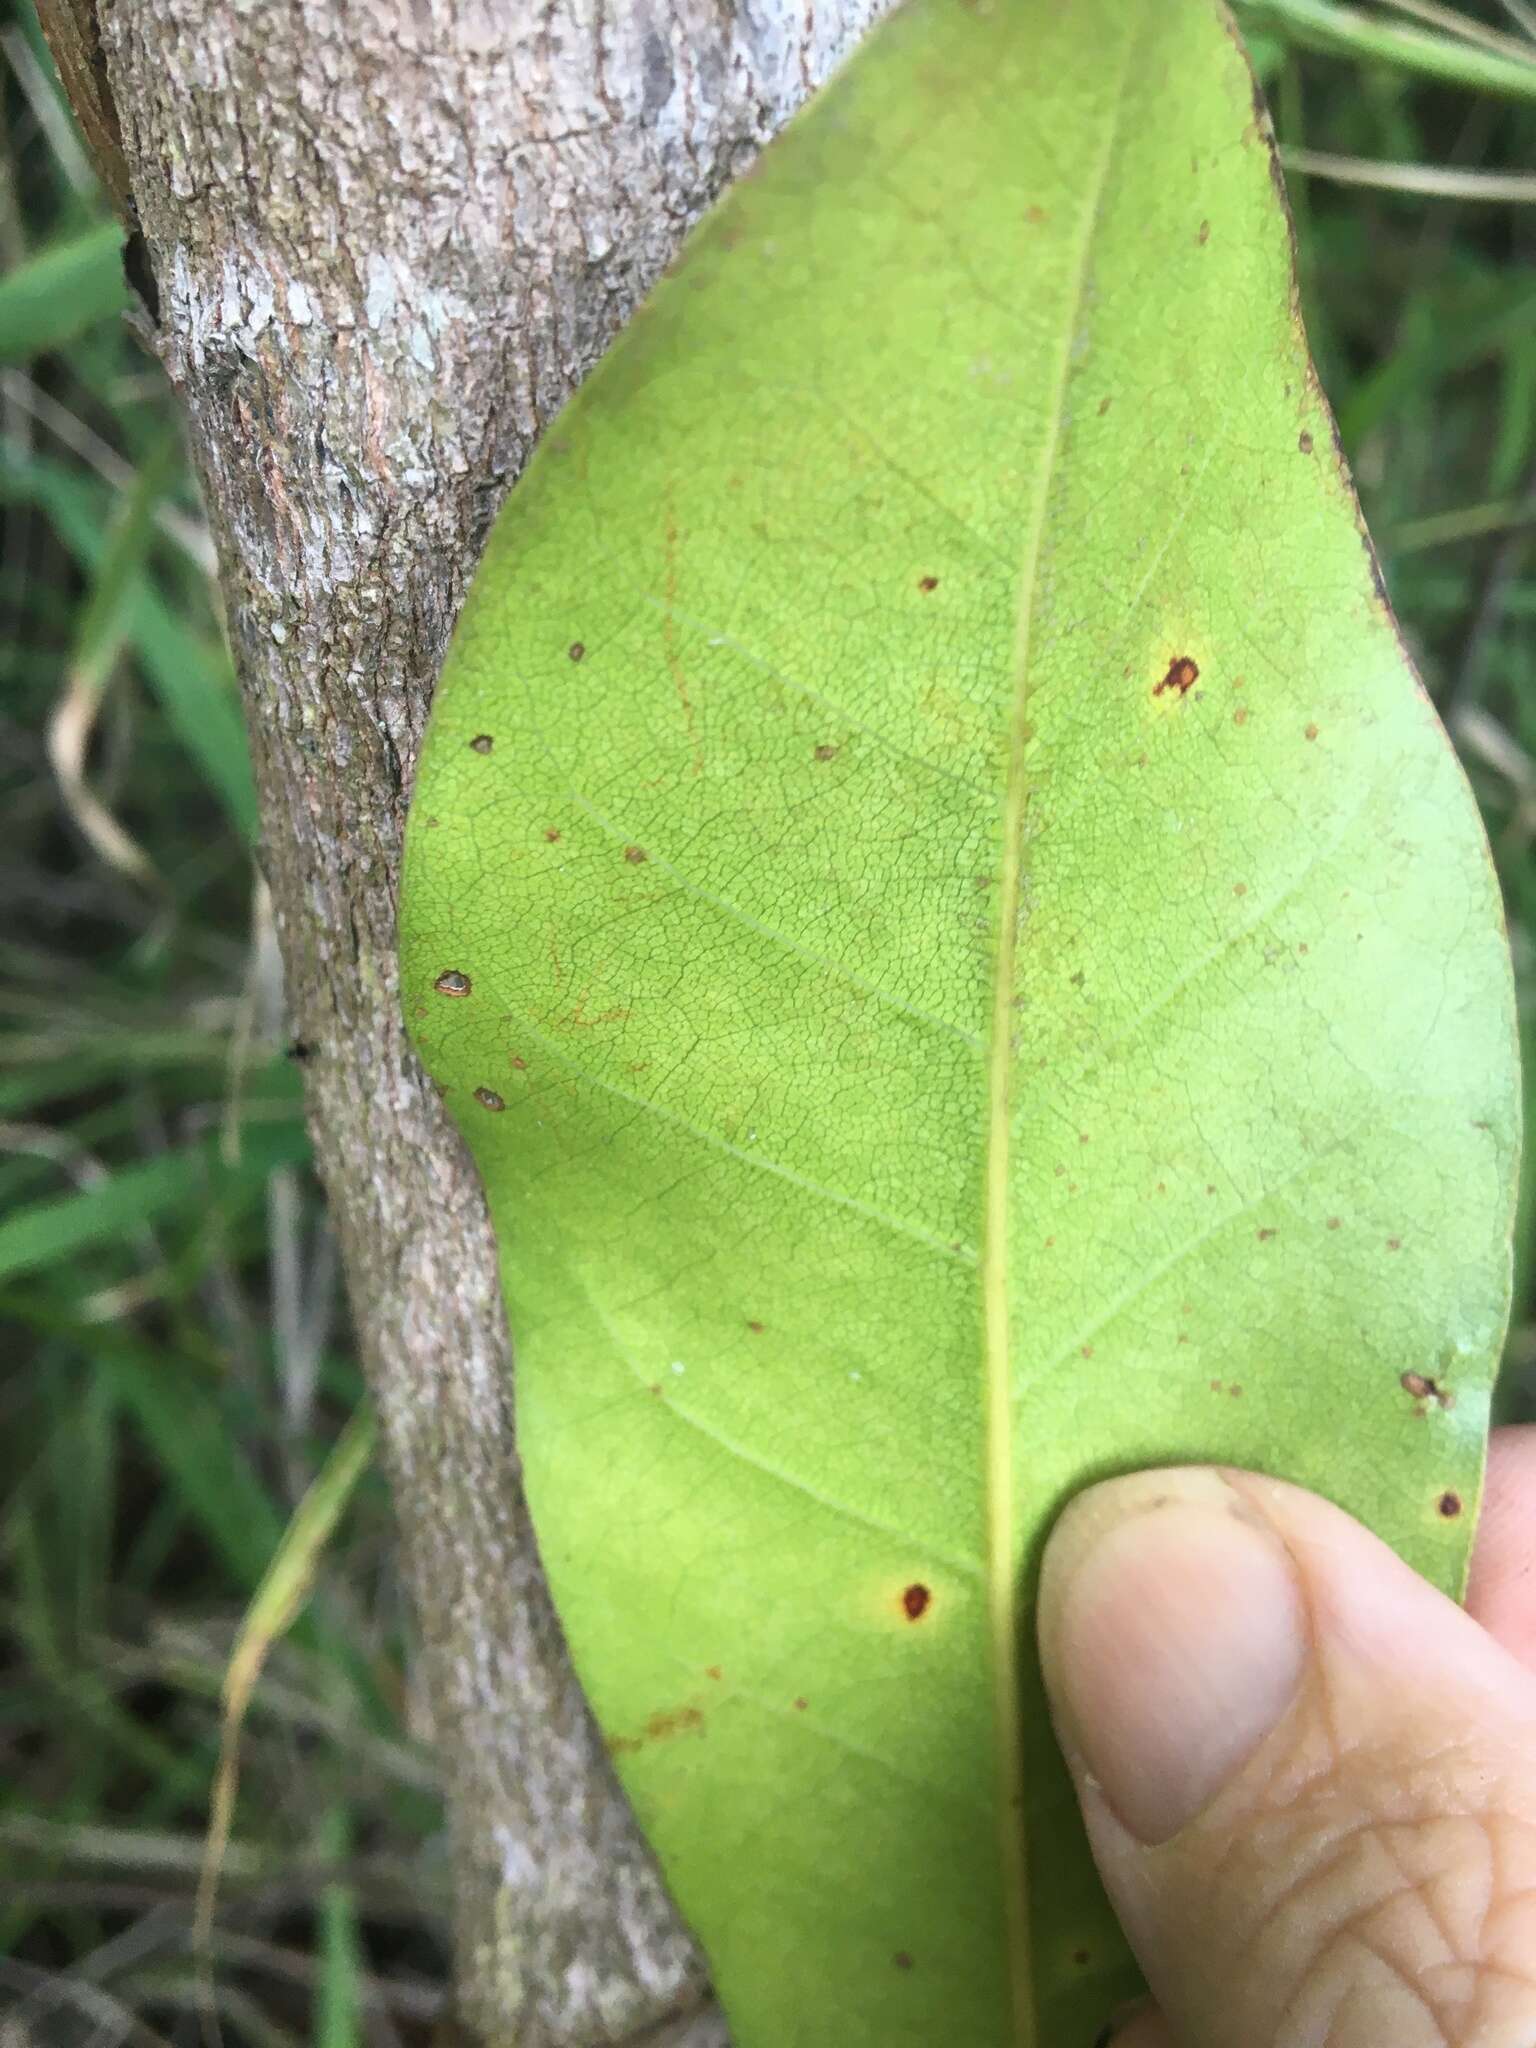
[[61, 291]]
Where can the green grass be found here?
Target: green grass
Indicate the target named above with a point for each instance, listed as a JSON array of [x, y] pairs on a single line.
[[179, 1360]]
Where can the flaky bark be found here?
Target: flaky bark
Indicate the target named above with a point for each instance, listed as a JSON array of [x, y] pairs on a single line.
[[387, 238]]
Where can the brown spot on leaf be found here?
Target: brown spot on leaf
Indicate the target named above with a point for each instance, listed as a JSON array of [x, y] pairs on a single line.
[[1311, 732], [757, 1328], [1205, 233], [713, 1671], [1183, 674], [659, 1728], [489, 1099], [800, 1705], [916, 1601], [1239, 888], [927, 583], [1240, 715], [1394, 1244], [1104, 405], [1304, 443], [1264, 1235], [902, 1960], [1422, 1388], [825, 752], [520, 1063], [1035, 215], [576, 650], [1087, 1351], [1334, 1222], [482, 743], [681, 1721], [1449, 1505], [552, 833], [452, 983], [635, 855]]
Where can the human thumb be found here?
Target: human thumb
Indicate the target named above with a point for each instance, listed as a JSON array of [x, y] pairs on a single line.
[[1309, 1778]]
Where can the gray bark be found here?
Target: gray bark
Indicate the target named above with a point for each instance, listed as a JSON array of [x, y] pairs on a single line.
[[388, 238]]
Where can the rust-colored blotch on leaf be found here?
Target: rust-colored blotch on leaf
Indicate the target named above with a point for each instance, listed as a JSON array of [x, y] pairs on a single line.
[[1183, 674], [489, 1099], [915, 1602]]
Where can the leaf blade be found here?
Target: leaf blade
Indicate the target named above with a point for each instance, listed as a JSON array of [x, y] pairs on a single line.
[[899, 956]]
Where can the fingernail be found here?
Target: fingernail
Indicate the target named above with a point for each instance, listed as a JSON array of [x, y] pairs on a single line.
[[1173, 1639]]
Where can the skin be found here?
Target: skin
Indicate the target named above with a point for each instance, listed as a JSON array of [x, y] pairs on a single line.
[[1316, 1810]]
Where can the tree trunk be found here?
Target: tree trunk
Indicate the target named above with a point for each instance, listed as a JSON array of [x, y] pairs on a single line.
[[387, 239]]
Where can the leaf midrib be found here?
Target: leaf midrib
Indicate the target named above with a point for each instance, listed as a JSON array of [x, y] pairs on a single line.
[[1001, 1504]]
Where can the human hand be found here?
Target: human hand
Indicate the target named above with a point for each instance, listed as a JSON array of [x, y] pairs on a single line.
[[1309, 1779]]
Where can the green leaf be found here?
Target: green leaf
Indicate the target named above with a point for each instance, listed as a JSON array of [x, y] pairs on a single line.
[[59, 293], [968, 965]]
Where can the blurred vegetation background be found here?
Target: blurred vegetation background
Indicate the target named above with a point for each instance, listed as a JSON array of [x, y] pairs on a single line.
[[183, 1439]]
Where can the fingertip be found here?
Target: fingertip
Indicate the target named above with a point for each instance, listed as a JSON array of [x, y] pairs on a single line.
[[1144, 2027], [1501, 1593]]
